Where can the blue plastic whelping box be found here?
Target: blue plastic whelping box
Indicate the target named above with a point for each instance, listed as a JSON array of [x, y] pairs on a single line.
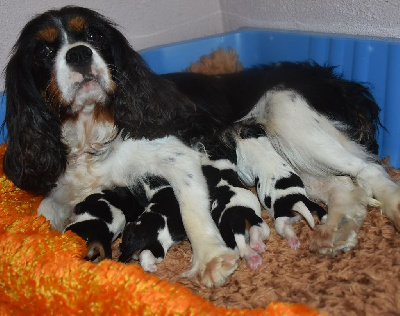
[[373, 61]]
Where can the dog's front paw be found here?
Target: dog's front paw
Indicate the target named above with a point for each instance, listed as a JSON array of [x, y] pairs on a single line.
[[214, 267], [219, 269]]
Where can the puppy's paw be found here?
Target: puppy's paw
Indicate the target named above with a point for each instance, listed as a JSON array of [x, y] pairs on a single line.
[[259, 247], [258, 233], [148, 261], [254, 261], [283, 226], [294, 243]]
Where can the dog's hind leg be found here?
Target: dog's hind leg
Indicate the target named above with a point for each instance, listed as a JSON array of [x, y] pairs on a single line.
[[375, 180], [317, 146], [347, 205]]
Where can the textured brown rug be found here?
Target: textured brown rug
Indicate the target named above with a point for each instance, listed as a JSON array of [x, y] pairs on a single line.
[[363, 281]]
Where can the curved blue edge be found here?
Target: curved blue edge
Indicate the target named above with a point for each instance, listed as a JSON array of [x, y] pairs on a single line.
[[375, 61]]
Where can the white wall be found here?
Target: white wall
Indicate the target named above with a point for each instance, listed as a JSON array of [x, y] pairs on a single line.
[[154, 22], [365, 17]]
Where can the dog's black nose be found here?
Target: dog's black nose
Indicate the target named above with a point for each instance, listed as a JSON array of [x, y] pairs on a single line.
[[79, 56]]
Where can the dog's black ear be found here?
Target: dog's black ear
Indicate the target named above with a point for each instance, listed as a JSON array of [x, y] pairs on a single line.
[[145, 104], [35, 156]]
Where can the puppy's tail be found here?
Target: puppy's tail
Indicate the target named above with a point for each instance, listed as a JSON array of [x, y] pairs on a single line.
[[302, 209]]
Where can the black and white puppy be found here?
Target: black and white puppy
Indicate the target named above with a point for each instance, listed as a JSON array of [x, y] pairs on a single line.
[[159, 227], [279, 188], [148, 215], [100, 218], [84, 113], [234, 208]]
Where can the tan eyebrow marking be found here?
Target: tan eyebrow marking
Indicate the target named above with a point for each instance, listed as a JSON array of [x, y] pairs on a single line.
[[49, 34], [77, 23]]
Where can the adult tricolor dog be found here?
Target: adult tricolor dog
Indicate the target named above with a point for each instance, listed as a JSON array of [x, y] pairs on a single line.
[[86, 114]]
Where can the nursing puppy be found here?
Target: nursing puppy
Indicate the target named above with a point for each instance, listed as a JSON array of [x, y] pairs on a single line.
[[279, 188], [235, 209], [159, 227], [84, 113], [100, 218]]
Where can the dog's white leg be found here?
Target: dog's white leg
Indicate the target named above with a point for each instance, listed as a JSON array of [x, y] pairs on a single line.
[[211, 258], [374, 178], [56, 212]]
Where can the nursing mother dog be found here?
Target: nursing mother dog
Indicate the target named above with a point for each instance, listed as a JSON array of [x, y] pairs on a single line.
[[85, 113]]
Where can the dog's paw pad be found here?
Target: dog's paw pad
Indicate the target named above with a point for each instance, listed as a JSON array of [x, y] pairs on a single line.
[[218, 269], [254, 261], [294, 243], [259, 247]]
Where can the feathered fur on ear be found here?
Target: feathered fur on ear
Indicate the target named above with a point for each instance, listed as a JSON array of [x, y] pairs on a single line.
[[145, 104], [35, 156]]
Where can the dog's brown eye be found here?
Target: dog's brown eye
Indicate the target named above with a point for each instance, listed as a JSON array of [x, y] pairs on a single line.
[[93, 36], [42, 52]]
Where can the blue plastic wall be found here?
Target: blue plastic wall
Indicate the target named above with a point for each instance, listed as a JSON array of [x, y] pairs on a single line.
[[375, 61]]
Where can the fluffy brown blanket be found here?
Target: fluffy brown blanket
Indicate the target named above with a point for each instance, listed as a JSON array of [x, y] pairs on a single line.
[[363, 281]]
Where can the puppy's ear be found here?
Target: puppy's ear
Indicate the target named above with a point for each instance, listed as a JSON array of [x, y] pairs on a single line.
[[35, 156]]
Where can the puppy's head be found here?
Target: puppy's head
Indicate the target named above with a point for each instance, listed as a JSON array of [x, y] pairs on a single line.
[[65, 62]]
